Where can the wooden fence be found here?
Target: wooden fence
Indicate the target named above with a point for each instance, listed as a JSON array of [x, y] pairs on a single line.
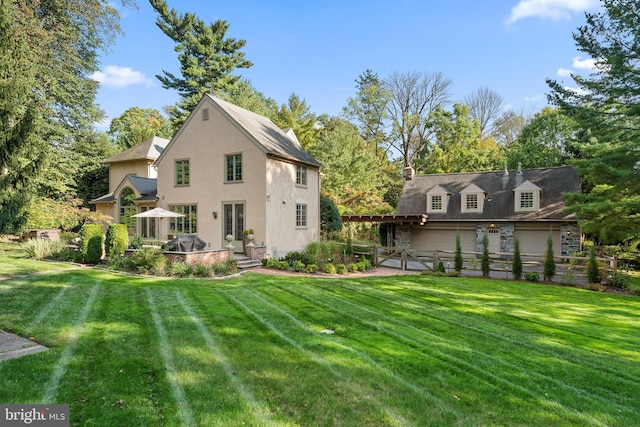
[[568, 268]]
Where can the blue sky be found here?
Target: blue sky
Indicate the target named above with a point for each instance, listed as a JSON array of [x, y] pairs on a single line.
[[318, 49]]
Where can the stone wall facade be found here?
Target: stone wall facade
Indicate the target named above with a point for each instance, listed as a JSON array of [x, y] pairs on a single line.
[[507, 236], [200, 257], [571, 239], [403, 237], [256, 252]]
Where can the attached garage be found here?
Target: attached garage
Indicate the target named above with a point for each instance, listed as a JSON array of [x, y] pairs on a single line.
[[533, 240], [430, 237]]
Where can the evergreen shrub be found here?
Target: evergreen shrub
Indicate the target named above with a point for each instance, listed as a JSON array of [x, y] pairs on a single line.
[[117, 240]]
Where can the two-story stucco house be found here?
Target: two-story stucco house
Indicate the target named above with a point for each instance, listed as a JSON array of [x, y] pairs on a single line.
[[228, 170], [527, 203], [132, 186]]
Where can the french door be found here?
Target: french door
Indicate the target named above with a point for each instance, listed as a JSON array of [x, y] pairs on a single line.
[[233, 223]]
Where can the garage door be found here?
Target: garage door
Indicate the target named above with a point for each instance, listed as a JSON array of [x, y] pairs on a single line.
[[430, 240], [535, 241]]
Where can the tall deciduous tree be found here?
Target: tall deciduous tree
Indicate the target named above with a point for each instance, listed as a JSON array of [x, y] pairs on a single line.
[[414, 96], [507, 127], [368, 111], [608, 109], [48, 52], [137, 125], [207, 58], [458, 144], [544, 142], [485, 106]]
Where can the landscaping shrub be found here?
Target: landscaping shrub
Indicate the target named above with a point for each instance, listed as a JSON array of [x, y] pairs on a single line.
[[226, 267], [272, 263], [312, 268], [532, 276], [441, 268], [341, 269], [150, 260], [302, 257], [282, 265], [202, 270], [91, 241], [457, 258], [116, 240], [549, 266], [485, 262], [137, 242], [330, 268], [516, 268], [42, 248], [593, 273], [352, 268], [324, 252], [181, 269], [299, 266]]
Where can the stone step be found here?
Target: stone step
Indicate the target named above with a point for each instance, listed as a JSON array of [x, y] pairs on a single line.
[[245, 262]]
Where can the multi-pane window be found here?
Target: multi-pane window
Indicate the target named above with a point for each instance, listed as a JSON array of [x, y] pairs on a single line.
[[301, 175], [471, 202], [233, 168], [436, 202], [128, 207], [187, 224], [526, 200], [182, 172], [301, 215]]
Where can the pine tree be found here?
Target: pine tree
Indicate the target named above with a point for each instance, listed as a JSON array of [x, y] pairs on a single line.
[[457, 258], [207, 58], [607, 112], [485, 262], [516, 269], [549, 267]]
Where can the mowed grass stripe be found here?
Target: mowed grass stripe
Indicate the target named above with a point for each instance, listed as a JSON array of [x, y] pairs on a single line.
[[61, 367], [451, 353], [510, 334], [421, 391], [262, 415], [164, 348], [358, 388], [503, 339], [45, 311]]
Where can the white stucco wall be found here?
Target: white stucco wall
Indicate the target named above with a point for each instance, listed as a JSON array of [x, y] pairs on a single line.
[[117, 171]]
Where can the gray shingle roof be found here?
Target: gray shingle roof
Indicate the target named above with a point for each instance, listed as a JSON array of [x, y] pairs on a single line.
[[500, 187], [274, 140], [146, 187], [150, 149]]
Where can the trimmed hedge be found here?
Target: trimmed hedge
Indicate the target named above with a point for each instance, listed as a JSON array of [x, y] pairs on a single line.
[[91, 239], [117, 240]]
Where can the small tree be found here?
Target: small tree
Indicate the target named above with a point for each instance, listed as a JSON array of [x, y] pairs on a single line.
[[485, 263], [593, 273], [330, 220], [457, 258], [91, 239], [117, 240], [516, 269], [549, 263]]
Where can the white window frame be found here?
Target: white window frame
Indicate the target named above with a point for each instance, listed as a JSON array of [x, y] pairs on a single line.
[[467, 194], [526, 187], [301, 215], [444, 198], [236, 166], [185, 173], [301, 175]]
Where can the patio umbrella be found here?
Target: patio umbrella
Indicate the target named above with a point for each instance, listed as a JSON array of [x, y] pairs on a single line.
[[158, 213]]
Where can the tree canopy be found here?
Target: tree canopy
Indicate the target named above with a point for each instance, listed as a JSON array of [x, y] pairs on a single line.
[[207, 58], [607, 110]]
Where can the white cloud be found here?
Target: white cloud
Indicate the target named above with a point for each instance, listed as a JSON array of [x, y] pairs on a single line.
[[584, 64], [576, 90], [563, 72], [119, 77], [549, 9]]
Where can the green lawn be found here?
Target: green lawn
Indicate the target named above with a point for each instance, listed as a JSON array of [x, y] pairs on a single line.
[[407, 350]]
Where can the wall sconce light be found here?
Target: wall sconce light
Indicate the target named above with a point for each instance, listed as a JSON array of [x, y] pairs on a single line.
[[487, 196], [215, 214], [492, 225], [284, 202]]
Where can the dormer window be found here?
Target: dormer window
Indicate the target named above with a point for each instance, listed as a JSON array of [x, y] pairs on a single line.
[[437, 200], [527, 197], [472, 199]]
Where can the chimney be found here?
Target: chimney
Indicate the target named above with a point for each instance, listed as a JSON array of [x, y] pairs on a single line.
[[408, 173], [519, 174], [505, 177]]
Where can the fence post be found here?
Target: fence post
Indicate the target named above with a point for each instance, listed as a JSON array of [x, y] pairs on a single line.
[[435, 260]]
